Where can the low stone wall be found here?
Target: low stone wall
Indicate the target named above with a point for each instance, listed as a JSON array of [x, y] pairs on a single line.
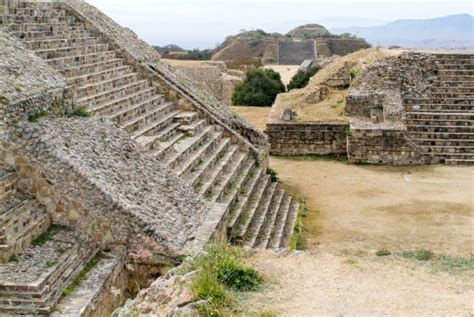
[[310, 138], [381, 146]]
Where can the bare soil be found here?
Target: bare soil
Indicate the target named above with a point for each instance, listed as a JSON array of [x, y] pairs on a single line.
[[356, 210]]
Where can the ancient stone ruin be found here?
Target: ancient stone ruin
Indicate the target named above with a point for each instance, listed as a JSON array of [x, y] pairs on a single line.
[[415, 108], [91, 206]]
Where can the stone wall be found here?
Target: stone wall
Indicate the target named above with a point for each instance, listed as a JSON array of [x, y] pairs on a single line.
[[310, 138], [27, 83], [381, 146], [295, 52], [342, 46]]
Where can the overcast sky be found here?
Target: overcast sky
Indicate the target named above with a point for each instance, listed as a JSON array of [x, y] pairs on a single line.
[[204, 23]]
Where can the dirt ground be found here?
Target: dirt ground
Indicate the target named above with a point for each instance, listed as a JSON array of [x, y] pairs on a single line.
[[355, 210], [286, 71]]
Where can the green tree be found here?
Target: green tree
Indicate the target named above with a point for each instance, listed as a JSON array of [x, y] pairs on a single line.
[[259, 88], [301, 79]]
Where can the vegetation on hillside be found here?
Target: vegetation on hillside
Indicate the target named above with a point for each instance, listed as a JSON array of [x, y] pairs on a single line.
[[196, 55], [259, 88], [244, 63], [301, 78]]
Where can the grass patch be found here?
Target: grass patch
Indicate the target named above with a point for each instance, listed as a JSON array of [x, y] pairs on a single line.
[[13, 258], [420, 255], [80, 277], [297, 240], [35, 116], [383, 252], [51, 263], [80, 112], [47, 236], [61, 250], [455, 264], [221, 272]]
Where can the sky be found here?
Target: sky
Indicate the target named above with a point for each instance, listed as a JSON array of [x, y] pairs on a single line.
[[205, 23]]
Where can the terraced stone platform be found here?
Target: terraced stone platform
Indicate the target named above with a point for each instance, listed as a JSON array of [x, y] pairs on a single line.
[[441, 123], [221, 168]]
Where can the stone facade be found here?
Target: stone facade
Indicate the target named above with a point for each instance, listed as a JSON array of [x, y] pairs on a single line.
[[307, 138], [292, 52]]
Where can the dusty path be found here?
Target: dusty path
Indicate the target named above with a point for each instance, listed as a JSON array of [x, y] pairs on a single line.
[[355, 210]]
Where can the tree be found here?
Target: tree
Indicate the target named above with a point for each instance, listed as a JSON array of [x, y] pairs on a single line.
[[301, 78], [259, 88]]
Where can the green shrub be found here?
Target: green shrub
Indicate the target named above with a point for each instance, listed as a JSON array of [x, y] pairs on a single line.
[[80, 112], [301, 78], [273, 175], [259, 88], [34, 116], [207, 287]]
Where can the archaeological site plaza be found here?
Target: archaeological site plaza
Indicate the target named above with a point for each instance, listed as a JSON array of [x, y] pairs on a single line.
[[116, 166]]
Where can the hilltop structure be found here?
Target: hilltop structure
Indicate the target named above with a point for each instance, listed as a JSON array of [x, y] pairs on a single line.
[[310, 41], [158, 170]]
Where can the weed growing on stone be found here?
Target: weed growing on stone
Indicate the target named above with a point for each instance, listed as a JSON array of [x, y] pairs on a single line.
[[297, 241], [80, 112], [47, 236], [34, 116], [51, 263], [61, 250], [273, 175], [13, 258], [80, 276]]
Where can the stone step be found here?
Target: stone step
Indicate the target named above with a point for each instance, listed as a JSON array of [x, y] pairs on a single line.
[[186, 146], [150, 142], [447, 78], [195, 159], [86, 69], [441, 136], [439, 149], [186, 117], [454, 66], [438, 129], [72, 51], [250, 187], [440, 107], [126, 103], [8, 181], [44, 27], [193, 128], [456, 83], [207, 183], [64, 63], [444, 142], [270, 223], [85, 299], [45, 44], [100, 76], [289, 225], [260, 232], [439, 116], [44, 35], [95, 102], [20, 225], [447, 101], [158, 111], [265, 210], [442, 95], [460, 161], [456, 72], [278, 229], [442, 157], [159, 150], [439, 122], [452, 89], [230, 175], [254, 203], [20, 19], [140, 111], [114, 83], [208, 162], [34, 283], [155, 126], [457, 61], [49, 12], [37, 7], [231, 196]]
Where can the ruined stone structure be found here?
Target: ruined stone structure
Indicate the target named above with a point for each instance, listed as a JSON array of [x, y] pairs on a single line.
[[415, 108], [296, 52], [160, 169]]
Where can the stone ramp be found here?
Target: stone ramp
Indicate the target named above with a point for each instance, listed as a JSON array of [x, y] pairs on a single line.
[[219, 167], [442, 123]]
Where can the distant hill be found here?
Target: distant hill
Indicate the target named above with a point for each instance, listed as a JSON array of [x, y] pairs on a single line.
[[454, 31]]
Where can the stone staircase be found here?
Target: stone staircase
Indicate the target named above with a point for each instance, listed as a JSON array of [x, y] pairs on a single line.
[[38, 260], [257, 212], [442, 123]]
